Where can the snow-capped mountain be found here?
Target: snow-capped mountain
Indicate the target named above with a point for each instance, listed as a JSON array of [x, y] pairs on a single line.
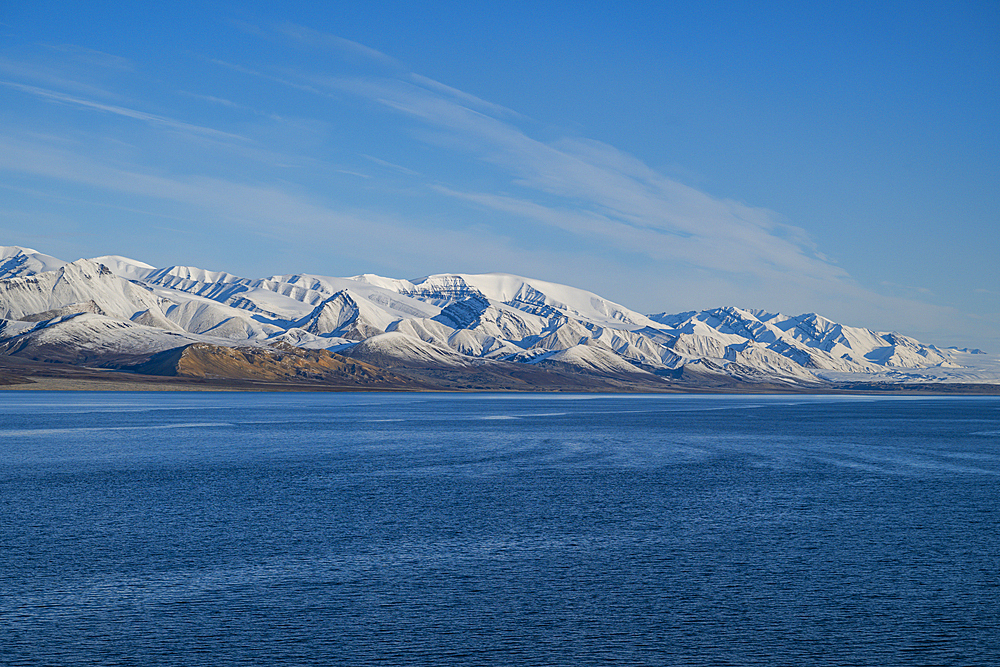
[[108, 309]]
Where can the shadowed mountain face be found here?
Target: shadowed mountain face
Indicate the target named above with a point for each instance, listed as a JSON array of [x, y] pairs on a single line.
[[446, 331]]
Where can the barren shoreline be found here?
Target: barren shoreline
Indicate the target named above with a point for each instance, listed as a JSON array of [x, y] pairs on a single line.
[[131, 383]]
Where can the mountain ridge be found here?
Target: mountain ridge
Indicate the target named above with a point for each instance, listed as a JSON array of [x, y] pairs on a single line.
[[117, 312]]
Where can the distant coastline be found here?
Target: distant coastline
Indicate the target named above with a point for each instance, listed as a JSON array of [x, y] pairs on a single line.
[[60, 377]]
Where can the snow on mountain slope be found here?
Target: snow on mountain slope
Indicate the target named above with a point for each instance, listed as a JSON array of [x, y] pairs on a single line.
[[12, 328], [123, 267], [480, 344], [347, 315], [216, 285], [78, 282], [18, 261], [566, 334], [809, 340], [304, 339], [289, 297], [592, 359], [487, 332], [377, 292], [449, 319], [208, 317], [961, 367], [753, 359], [639, 347], [395, 350], [391, 284], [88, 338], [179, 284], [427, 330], [492, 318], [532, 296], [61, 292], [63, 311], [193, 274], [704, 345]]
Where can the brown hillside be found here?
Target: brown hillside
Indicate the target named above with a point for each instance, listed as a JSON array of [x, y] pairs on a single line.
[[282, 363]]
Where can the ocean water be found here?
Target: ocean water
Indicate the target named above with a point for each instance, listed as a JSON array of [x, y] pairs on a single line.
[[487, 529]]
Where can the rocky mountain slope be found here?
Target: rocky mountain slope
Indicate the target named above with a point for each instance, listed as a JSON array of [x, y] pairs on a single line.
[[444, 331]]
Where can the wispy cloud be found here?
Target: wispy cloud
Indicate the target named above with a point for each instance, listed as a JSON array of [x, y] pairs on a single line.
[[696, 244], [585, 188], [592, 189], [221, 101], [55, 76], [79, 201], [488, 194], [353, 173], [164, 121], [270, 77], [315, 38], [278, 211], [390, 165], [462, 97], [94, 58], [907, 288]]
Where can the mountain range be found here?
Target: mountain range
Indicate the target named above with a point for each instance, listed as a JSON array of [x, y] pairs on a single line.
[[446, 331]]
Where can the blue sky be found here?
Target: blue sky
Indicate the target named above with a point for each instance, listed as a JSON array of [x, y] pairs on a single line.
[[840, 159]]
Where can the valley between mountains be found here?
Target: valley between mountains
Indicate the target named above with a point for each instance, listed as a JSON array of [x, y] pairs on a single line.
[[119, 321]]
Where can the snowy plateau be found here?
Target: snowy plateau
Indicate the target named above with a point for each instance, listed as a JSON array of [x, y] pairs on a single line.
[[448, 331]]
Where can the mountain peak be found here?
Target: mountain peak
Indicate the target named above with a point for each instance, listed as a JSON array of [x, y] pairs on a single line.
[[18, 261]]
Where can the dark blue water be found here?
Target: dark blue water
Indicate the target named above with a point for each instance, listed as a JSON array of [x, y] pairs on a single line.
[[357, 529]]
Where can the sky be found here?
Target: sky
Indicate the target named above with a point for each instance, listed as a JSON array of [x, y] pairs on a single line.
[[839, 158]]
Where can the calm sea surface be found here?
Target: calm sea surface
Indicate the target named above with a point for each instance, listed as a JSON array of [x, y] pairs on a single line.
[[422, 529]]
